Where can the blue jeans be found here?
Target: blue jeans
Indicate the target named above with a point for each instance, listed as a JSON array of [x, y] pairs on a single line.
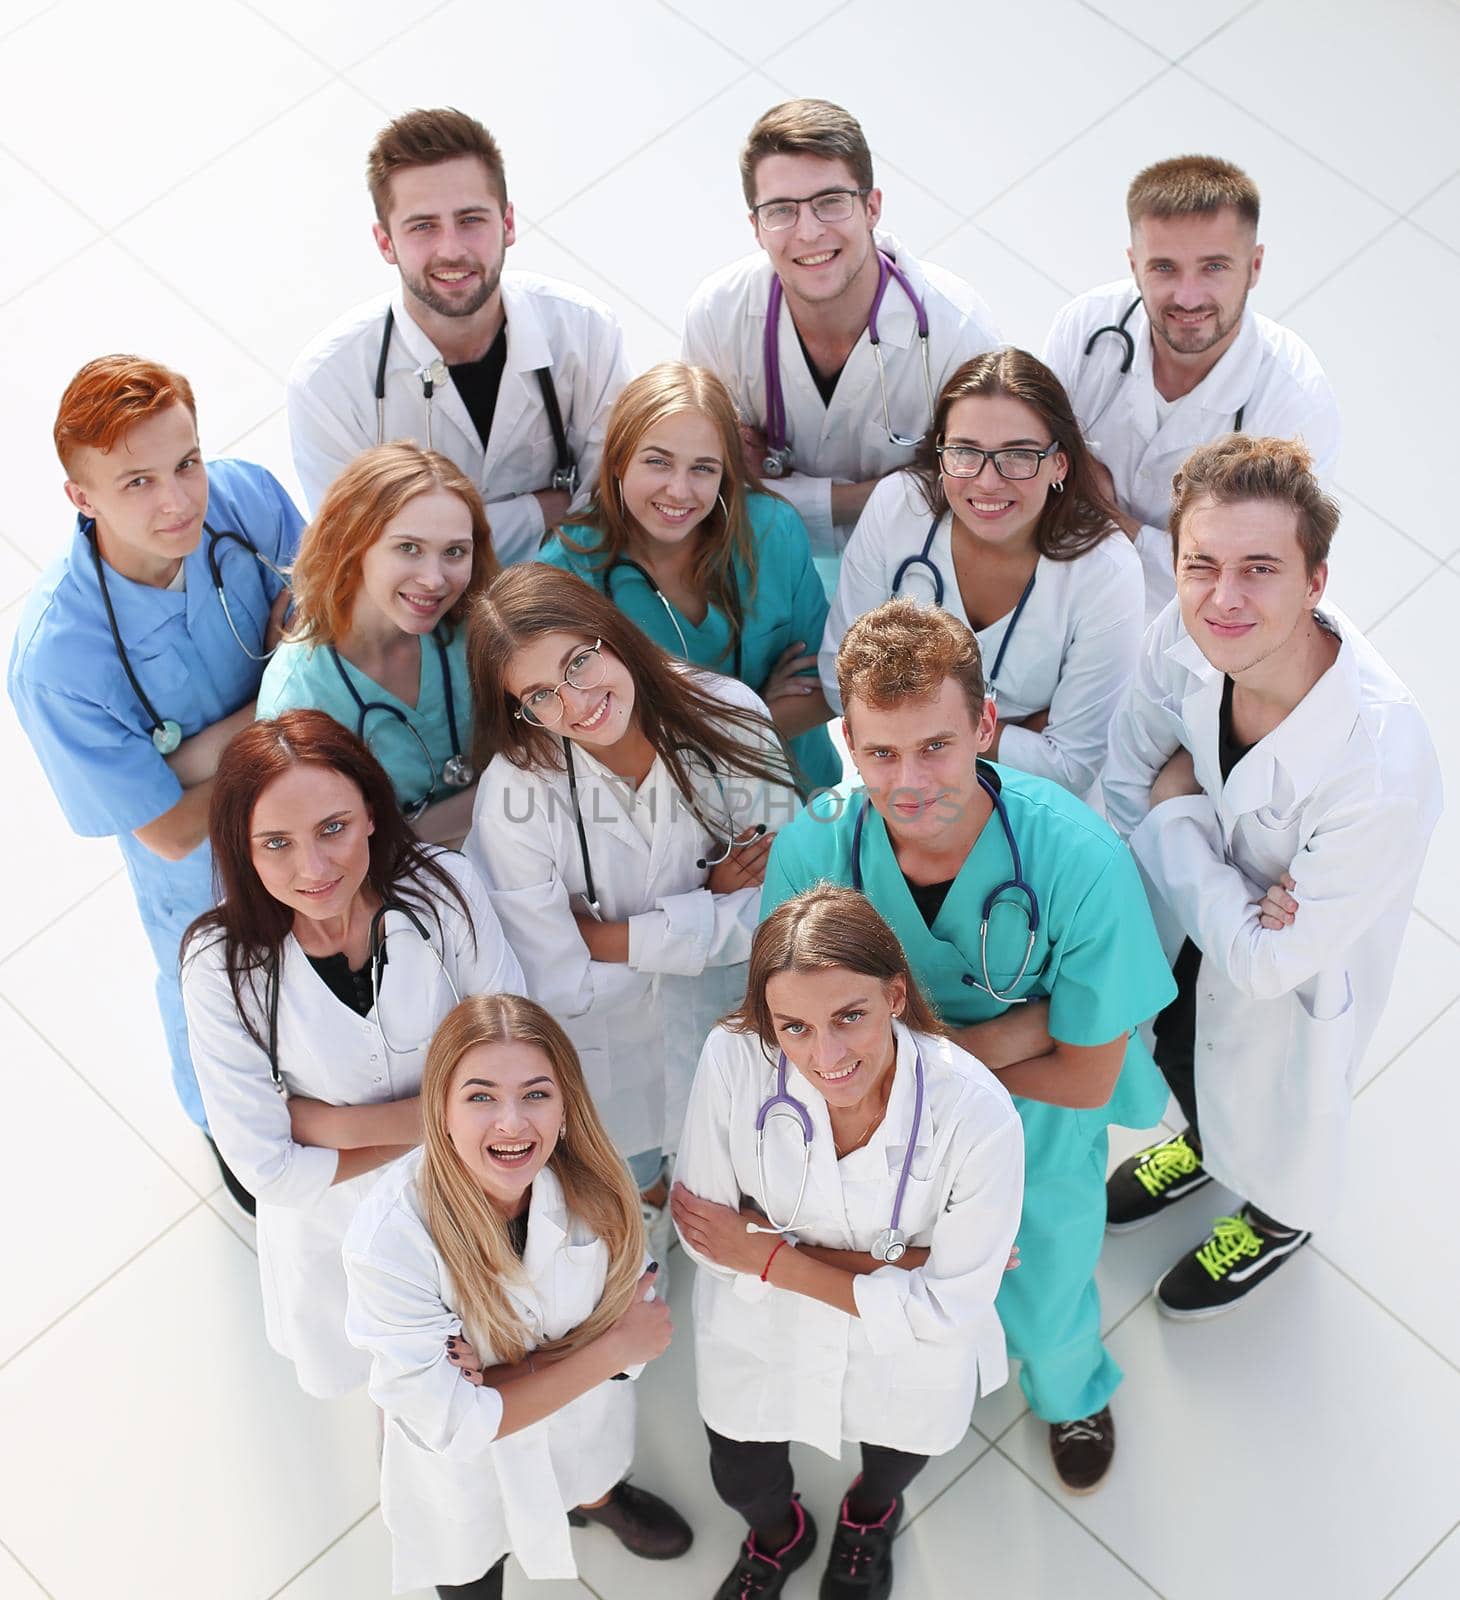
[[644, 1168]]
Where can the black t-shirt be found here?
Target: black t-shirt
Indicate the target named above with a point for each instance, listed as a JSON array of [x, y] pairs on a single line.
[[351, 988], [1230, 748], [825, 386], [517, 1233], [928, 897], [478, 382]]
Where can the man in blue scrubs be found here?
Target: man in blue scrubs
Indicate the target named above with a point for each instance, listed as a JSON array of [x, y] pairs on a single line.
[[932, 840], [129, 674]]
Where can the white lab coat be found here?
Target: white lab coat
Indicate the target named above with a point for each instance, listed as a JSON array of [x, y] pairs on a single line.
[[326, 1052], [332, 411], [1343, 794], [905, 1372], [454, 1496], [637, 1025], [846, 441], [1072, 653], [1269, 375]]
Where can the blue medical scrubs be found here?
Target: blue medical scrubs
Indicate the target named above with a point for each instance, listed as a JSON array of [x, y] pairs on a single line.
[[90, 732], [1098, 960], [785, 603]]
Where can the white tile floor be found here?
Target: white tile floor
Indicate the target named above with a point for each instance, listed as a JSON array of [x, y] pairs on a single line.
[[186, 181]]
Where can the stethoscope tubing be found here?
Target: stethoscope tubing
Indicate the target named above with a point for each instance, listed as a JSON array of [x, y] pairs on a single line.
[[738, 663], [1127, 339]]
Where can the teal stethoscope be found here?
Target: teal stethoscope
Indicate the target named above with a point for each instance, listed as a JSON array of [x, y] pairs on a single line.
[[166, 732], [456, 771]]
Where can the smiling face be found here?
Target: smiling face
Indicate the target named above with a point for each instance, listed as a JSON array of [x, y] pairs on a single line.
[[836, 1029], [148, 496], [419, 566], [309, 839], [1194, 274], [671, 481], [816, 261], [1244, 589], [998, 510], [504, 1111], [596, 718], [448, 233]]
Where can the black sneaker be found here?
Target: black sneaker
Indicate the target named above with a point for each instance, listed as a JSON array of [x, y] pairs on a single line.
[[859, 1566], [1230, 1264], [1152, 1179], [1083, 1450], [758, 1576], [236, 1191]]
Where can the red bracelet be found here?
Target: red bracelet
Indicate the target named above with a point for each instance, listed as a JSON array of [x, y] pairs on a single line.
[[765, 1270]]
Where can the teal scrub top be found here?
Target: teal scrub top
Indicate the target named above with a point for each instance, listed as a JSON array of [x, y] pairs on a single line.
[[303, 675], [1096, 954], [787, 603]]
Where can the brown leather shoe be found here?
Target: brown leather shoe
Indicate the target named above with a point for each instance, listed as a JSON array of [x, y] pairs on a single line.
[[1083, 1450], [640, 1521]]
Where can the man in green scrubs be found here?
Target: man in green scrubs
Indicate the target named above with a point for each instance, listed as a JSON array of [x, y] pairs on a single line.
[[934, 837]]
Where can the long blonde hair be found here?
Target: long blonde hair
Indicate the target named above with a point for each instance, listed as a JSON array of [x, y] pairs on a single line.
[[471, 1233]]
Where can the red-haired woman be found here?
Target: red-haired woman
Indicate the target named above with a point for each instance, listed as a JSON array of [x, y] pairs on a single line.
[[382, 583], [312, 992]]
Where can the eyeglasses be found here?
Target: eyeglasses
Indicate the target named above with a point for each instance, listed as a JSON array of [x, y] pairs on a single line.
[[831, 205], [964, 461], [544, 707]]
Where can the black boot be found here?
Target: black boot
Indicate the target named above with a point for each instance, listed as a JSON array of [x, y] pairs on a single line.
[[640, 1521]]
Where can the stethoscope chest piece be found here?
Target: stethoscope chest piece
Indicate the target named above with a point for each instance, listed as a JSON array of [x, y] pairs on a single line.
[[777, 463], [458, 772], [166, 737], [889, 1245]]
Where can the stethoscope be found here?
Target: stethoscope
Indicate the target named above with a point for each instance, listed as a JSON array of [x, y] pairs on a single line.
[[1127, 338], [565, 471], [777, 461], [456, 771], [648, 577], [924, 558], [590, 895], [166, 731], [1016, 884], [891, 1243], [378, 938]]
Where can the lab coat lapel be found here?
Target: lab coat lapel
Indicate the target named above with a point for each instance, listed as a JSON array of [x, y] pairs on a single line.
[[897, 1125], [1211, 408], [547, 1232], [824, 1198], [140, 609], [1201, 709], [605, 800], [445, 400], [518, 398]]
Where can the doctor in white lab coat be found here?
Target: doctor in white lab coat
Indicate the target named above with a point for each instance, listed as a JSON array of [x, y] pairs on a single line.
[[1033, 565], [802, 1333], [497, 1287], [639, 982], [1161, 364], [457, 355], [309, 1073], [1278, 786]]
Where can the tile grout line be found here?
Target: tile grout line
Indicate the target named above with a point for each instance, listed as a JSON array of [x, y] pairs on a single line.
[[952, 1483], [1405, 1048], [785, 44], [319, 1555], [1129, 33], [34, 17], [3, 1546], [1221, 28], [1388, 1311], [1393, 526], [1389, 1594], [66, 910], [1435, 925]]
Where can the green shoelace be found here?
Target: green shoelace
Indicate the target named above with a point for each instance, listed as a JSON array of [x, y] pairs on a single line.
[[1233, 1239], [1165, 1164]]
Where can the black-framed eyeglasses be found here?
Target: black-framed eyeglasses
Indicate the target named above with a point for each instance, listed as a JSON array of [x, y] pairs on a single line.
[[544, 707], [831, 205], [966, 460]]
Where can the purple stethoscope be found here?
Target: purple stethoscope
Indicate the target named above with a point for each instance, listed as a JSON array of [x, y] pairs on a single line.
[[777, 461], [891, 1243]]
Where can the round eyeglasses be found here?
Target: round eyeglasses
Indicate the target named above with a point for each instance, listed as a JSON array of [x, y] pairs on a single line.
[[543, 708], [966, 461]]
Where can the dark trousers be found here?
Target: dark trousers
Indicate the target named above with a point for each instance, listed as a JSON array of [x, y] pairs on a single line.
[[487, 1587], [753, 1477]]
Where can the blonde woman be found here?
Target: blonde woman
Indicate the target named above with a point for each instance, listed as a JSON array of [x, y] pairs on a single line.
[[497, 1283], [680, 536], [382, 584]]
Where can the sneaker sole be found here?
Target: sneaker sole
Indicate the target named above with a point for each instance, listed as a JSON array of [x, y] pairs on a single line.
[[1068, 1488], [1166, 1205]]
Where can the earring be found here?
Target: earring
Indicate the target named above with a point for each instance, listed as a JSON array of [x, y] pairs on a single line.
[[618, 484], [1058, 486], [563, 1131], [724, 509]]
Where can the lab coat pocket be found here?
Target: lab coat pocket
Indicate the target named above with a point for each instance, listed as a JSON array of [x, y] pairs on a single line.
[[1315, 1079], [418, 1484]]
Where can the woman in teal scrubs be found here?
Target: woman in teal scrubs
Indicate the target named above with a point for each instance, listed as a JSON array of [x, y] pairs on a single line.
[[384, 577], [681, 538]]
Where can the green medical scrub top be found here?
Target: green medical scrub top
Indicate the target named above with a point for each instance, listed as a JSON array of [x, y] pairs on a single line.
[[786, 603]]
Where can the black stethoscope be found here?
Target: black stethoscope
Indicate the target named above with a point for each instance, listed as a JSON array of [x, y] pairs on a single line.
[[565, 472], [166, 731], [1125, 336], [456, 771], [378, 939], [1016, 884], [648, 577], [777, 461], [924, 559], [590, 895]]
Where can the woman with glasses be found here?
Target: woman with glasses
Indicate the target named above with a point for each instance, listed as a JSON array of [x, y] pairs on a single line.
[[623, 824], [1000, 522], [382, 583], [680, 538], [312, 992]]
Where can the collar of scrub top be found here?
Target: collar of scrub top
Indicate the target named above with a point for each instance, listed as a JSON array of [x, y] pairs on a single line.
[[891, 1243], [737, 670], [166, 732], [456, 771], [379, 934], [1015, 885], [778, 457]]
